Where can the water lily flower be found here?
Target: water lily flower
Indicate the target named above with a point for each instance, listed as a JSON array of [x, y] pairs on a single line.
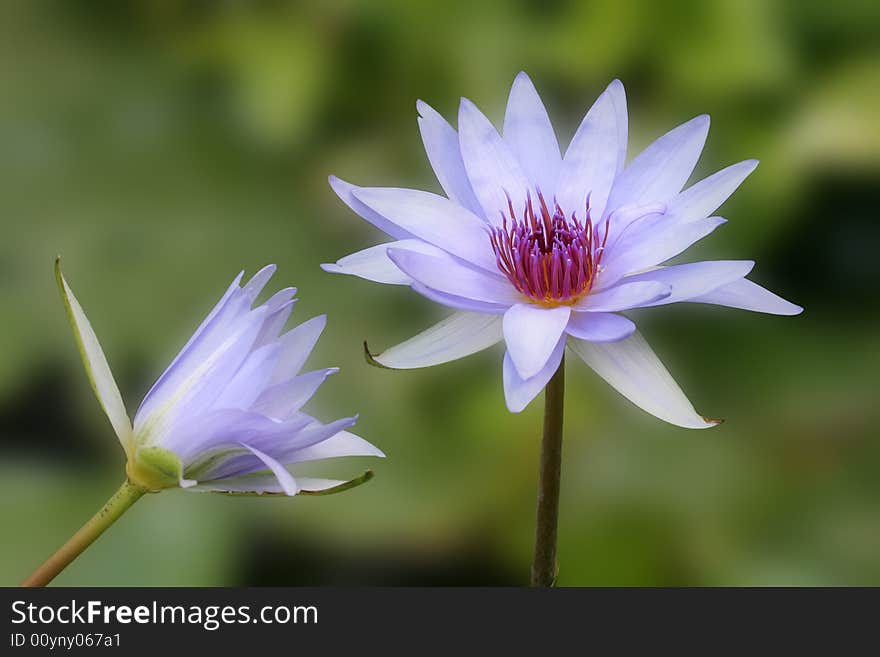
[[226, 415], [544, 250]]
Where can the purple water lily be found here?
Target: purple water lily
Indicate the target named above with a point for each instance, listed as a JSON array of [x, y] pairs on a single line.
[[226, 415], [543, 250]]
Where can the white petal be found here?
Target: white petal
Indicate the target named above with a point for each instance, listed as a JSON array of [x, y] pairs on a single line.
[[529, 133], [660, 171], [632, 368], [373, 263], [703, 198], [444, 153], [599, 327], [519, 392], [593, 157], [747, 295], [457, 336], [492, 168], [693, 279], [95, 363], [288, 483], [345, 191], [623, 297], [435, 220], [448, 275], [531, 333]]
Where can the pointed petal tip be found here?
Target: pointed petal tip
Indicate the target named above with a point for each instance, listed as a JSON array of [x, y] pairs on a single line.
[[339, 186], [522, 78], [712, 422], [466, 105]]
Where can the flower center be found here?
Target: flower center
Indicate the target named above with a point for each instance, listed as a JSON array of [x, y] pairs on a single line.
[[549, 258]]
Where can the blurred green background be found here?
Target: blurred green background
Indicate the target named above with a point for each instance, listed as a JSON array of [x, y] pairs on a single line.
[[161, 146]]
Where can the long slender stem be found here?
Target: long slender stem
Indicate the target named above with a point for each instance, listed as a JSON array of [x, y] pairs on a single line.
[[122, 499], [544, 564]]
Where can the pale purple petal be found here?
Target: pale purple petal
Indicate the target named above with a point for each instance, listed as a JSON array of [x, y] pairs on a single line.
[[445, 274], [444, 153], [459, 303], [253, 287], [435, 220], [285, 479], [519, 392], [312, 434], [338, 445], [296, 345], [694, 279], [599, 327], [191, 390], [492, 168], [623, 297], [651, 241], [529, 133], [210, 332], [374, 265], [457, 336], [250, 380], [618, 97], [531, 333], [283, 399], [345, 191], [206, 443], [274, 323], [746, 295], [632, 368], [620, 219], [660, 171], [703, 198], [593, 157]]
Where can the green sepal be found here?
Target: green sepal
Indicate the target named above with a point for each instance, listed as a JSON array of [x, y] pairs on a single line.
[[344, 486], [155, 468], [371, 358], [347, 485]]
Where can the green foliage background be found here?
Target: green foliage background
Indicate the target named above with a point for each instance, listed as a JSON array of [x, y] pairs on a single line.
[[162, 145]]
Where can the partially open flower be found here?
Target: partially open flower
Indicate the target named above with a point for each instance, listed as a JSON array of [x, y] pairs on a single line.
[[226, 414], [543, 250]]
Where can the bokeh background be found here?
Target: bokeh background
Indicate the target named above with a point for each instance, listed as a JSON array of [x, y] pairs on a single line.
[[163, 145]]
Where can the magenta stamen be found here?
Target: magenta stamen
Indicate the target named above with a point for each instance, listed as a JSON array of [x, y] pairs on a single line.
[[548, 258]]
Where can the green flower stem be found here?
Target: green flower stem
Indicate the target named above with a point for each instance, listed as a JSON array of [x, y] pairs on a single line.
[[122, 499], [544, 564]]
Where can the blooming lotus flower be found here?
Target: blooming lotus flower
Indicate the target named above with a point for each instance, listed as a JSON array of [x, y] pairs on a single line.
[[226, 415], [543, 250]]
